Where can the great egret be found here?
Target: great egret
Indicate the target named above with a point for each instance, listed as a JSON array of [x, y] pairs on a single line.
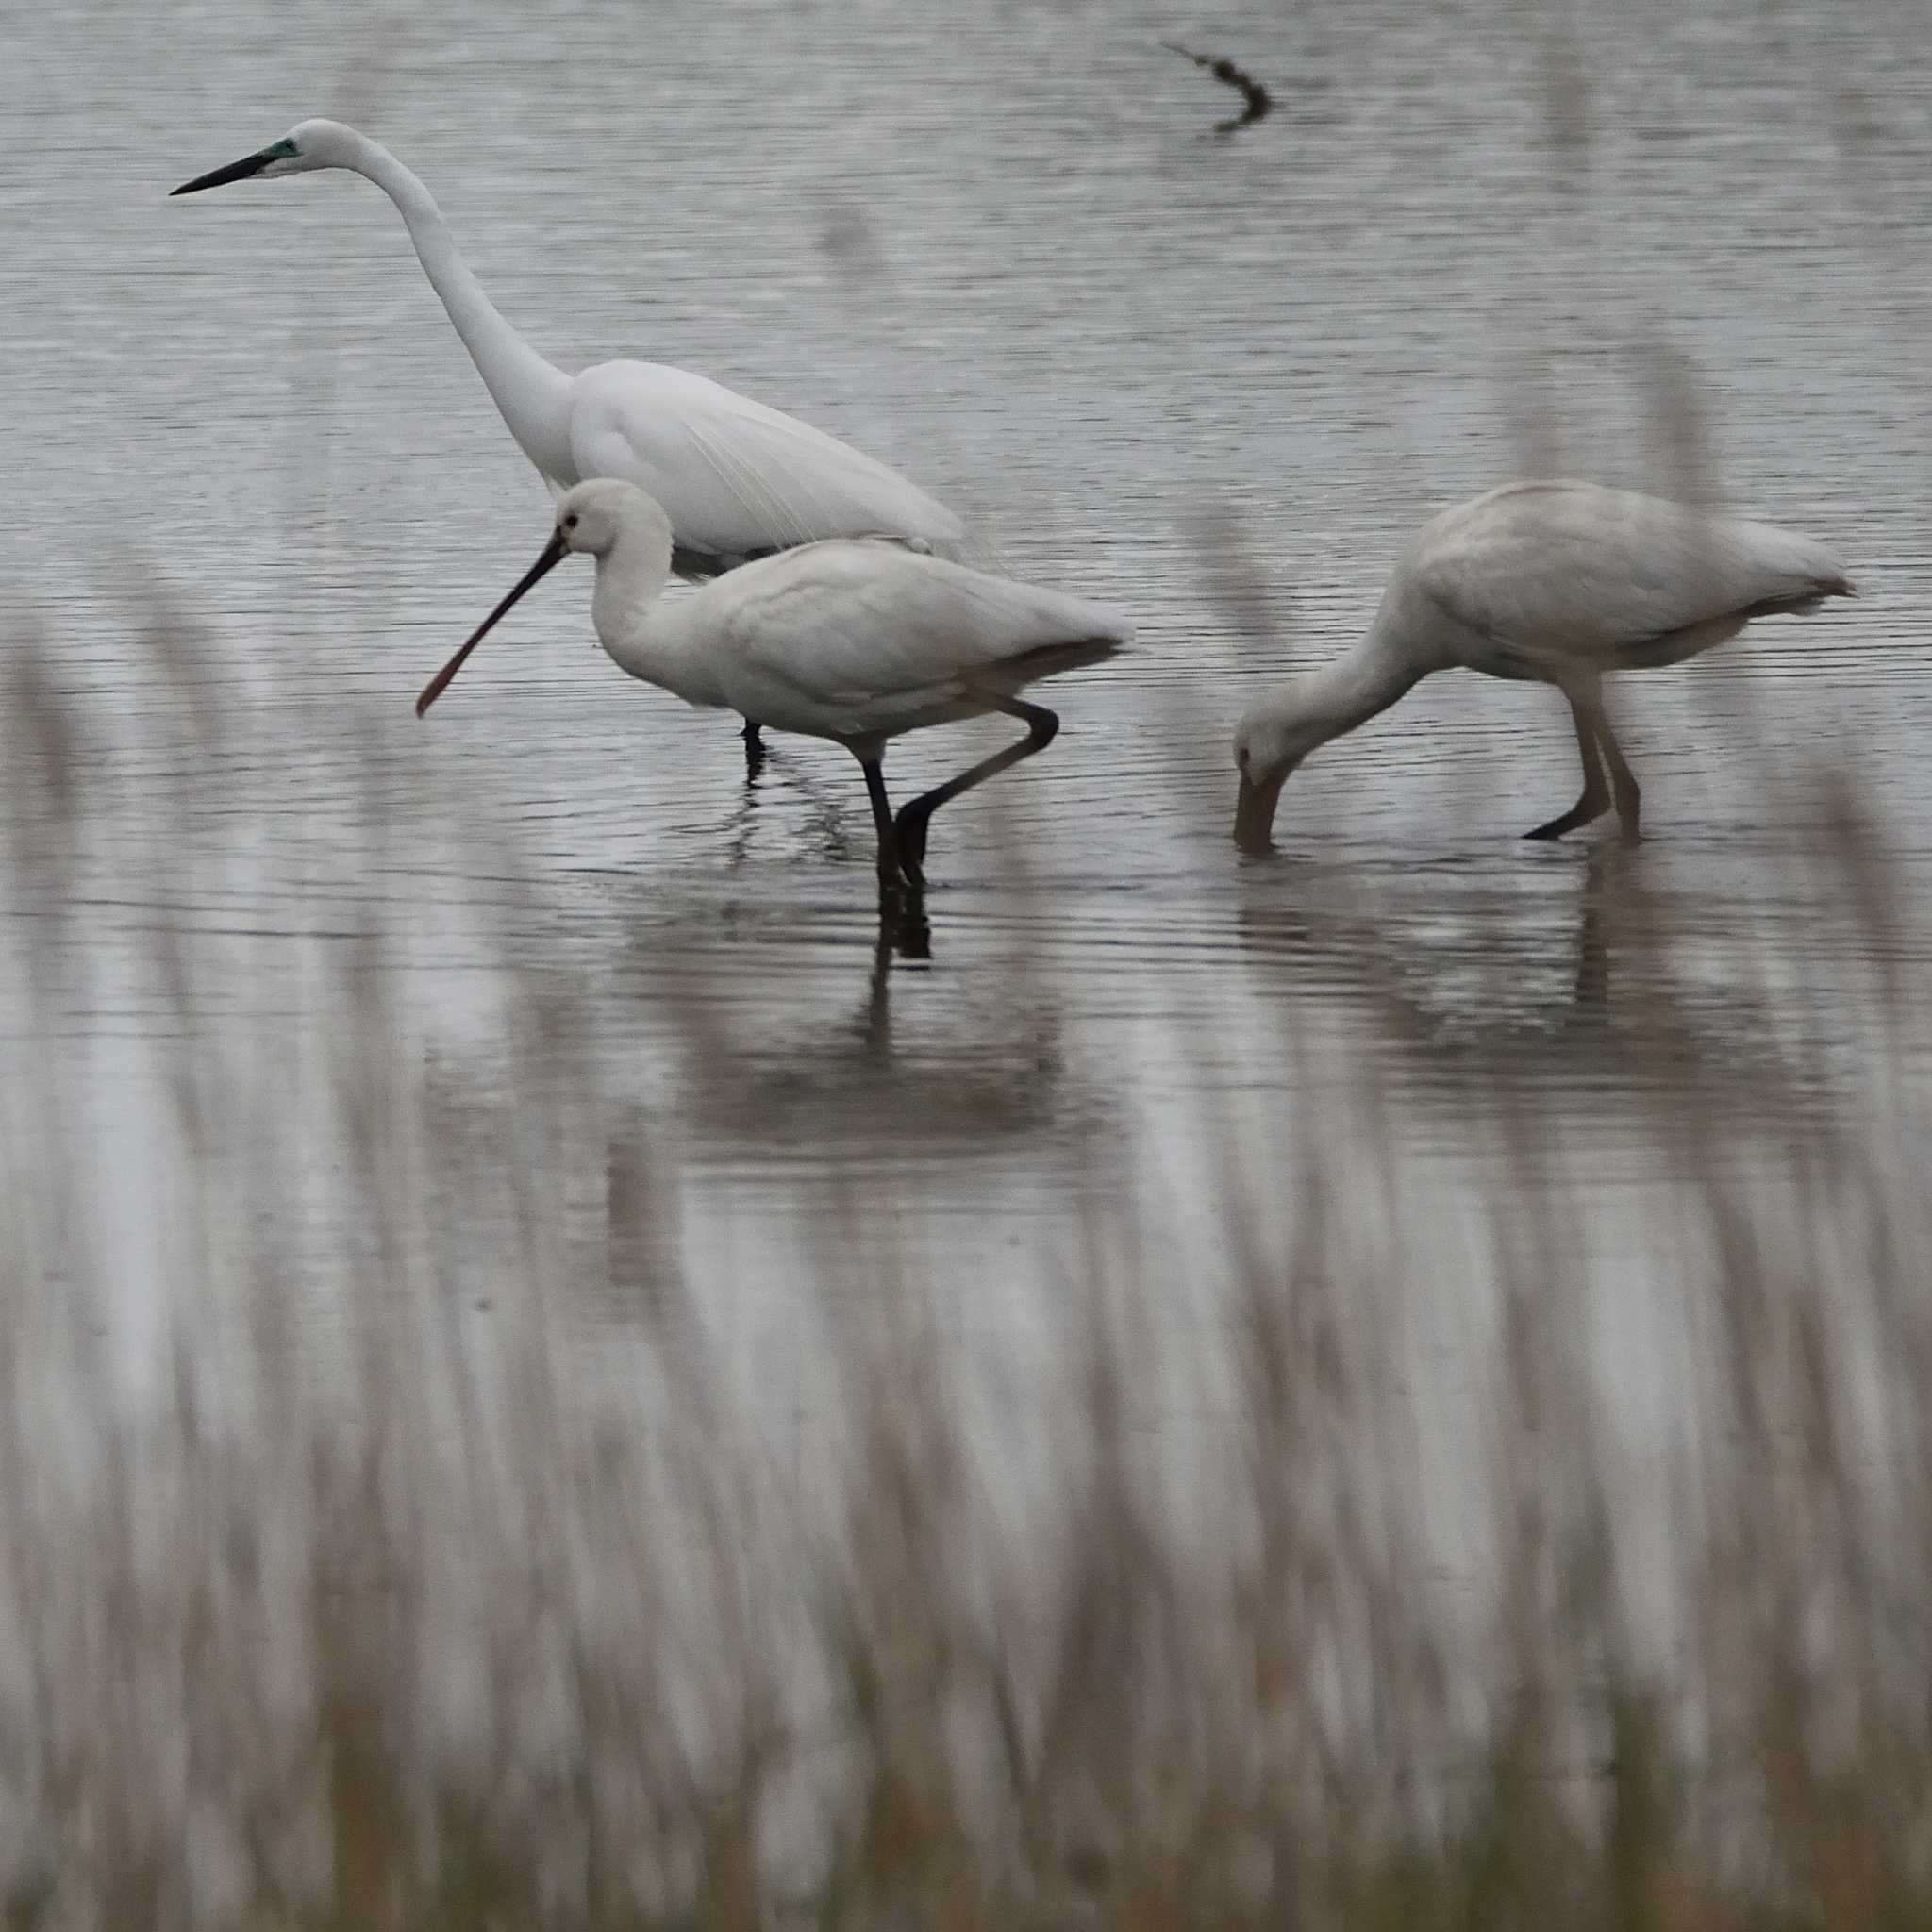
[[738, 479], [1556, 582], [857, 641]]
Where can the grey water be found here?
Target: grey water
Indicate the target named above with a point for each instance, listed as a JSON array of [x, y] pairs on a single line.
[[1216, 380]]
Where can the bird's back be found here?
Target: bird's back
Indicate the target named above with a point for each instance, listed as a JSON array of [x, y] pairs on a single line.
[[738, 479], [873, 632], [1538, 575]]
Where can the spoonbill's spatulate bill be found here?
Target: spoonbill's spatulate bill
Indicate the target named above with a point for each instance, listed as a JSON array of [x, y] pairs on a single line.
[[1554, 582], [857, 642]]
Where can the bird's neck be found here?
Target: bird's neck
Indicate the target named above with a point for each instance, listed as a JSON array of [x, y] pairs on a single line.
[[645, 635], [532, 394], [1358, 685]]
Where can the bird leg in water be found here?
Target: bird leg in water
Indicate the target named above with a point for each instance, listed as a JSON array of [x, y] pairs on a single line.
[[754, 750], [892, 878], [911, 822], [912, 929], [905, 931], [1596, 793], [1623, 787], [903, 927]]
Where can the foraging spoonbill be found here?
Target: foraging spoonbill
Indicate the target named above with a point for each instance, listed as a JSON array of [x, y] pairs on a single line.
[[1554, 582], [738, 479], [849, 640]]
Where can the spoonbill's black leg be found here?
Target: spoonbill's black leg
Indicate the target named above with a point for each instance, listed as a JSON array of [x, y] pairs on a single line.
[[754, 750], [893, 876], [912, 824], [1596, 793]]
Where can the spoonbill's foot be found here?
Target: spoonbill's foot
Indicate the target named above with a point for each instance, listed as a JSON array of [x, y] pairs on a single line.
[[896, 877], [1628, 801], [1583, 812], [909, 831], [754, 750], [904, 924]]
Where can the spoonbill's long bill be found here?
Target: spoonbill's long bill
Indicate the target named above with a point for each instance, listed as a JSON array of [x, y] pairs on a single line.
[[850, 640], [738, 480], [1554, 582]]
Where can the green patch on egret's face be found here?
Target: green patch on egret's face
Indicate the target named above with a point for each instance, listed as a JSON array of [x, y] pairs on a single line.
[[284, 150]]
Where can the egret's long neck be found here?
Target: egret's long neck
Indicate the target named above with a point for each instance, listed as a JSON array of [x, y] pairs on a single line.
[[644, 636], [533, 395]]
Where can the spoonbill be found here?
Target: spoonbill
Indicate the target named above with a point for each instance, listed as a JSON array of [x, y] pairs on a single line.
[[851, 639], [738, 479], [1554, 582]]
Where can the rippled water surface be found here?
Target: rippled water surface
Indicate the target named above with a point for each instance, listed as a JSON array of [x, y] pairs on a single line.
[[1216, 380]]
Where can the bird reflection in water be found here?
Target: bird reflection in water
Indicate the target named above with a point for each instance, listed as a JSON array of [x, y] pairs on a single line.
[[903, 1071], [1570, 966], [1591, 996], [904, 929], [828, 827]]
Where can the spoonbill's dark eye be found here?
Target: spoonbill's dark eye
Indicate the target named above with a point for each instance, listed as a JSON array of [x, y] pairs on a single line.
[[569, 522]]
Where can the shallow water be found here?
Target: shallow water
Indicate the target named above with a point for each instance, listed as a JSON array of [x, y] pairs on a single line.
[[1005, 252]]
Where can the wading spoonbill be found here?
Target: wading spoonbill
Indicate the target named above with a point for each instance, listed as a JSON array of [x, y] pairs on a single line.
[[854, 641], [1554, 582]]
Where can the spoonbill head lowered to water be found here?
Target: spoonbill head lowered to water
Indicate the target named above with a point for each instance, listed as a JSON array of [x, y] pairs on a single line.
[[1559, 583]]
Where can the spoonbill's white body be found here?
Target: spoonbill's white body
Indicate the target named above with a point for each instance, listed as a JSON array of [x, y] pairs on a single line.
[[1556, 582], [853, 641]]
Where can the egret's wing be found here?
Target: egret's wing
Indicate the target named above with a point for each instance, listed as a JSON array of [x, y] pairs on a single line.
[[1570, 572], [879, 632], [738, 478]]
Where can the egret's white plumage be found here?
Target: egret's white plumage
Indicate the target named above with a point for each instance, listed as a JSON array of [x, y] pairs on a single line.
[[737, 478], [1557, 582], [853, 641]]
